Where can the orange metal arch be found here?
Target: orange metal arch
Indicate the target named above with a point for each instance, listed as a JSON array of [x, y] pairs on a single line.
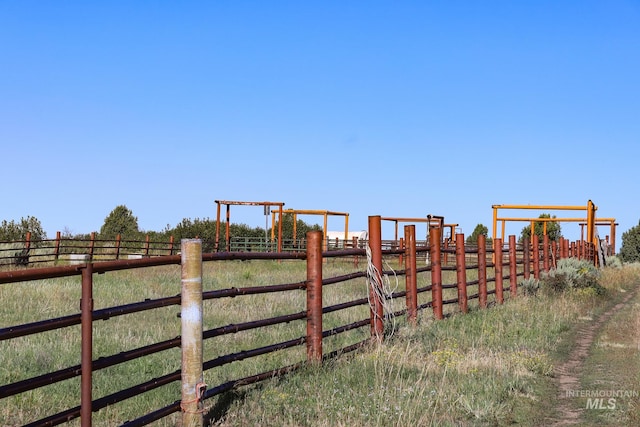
[[590, 221], [431, 220], [324, 213], [228, 203]]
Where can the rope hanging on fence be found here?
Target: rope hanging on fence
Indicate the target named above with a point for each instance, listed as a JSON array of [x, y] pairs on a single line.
[[379, 285]]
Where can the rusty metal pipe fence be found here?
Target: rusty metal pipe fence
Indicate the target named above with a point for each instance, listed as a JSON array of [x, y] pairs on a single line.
[[517, 260], [76, 251]]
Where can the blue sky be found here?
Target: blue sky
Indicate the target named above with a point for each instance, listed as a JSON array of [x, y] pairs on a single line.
[[399, 109]]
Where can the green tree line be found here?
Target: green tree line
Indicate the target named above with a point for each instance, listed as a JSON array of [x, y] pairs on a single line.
[[121, 221]]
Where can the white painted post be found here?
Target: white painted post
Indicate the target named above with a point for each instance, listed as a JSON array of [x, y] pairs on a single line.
[[191, 338]]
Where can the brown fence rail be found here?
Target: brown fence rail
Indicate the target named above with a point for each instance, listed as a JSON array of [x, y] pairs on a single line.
[[499, 270], [77, 251], [66, 250]]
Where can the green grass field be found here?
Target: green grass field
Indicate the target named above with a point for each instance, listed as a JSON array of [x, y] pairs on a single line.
[[490, 367]]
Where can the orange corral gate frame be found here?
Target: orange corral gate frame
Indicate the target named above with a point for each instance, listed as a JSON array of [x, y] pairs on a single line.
[[325, 214], [590, 220], [431, 220], [229, 203]]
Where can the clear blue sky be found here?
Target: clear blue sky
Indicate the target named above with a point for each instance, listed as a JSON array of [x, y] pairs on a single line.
[[402, 108]]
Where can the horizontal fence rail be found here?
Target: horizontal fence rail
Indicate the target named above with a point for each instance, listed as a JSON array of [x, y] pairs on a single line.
[[435, 277], [70, 251]]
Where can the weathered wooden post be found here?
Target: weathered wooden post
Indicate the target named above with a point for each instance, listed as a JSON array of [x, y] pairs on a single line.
[[410, 275], [375, 278], [436, 272], [193, 385], [314, 296], [461, 273]]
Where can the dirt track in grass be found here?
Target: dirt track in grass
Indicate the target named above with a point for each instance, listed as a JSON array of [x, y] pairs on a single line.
[[567, 375]]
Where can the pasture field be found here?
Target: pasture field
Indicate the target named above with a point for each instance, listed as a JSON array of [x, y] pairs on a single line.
[[488, 367], [42, 353]]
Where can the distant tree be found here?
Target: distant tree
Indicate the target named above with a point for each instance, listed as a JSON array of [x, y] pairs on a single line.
[[13, 231], [120, 221], [205, 229], [630, 249], [66, 233], [554, 231], [473, 238]]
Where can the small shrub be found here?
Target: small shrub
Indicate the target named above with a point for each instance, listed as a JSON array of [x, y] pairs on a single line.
[[572, 274], [555, 282], [613, 262], [21, 258], [530, 286]]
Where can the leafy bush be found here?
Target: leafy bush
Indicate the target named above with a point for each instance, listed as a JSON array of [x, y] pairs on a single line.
[[553, 229]]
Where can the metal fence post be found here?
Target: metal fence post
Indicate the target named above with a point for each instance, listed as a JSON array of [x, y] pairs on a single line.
[[461, 273], [171, 241], [118, 242], [526, 258], [314, 296], [436, 272], [27, 242], [482, 270], [498, 270], [86, 327], [513, 267], [355, 245], [410, 275], [545, 253], [191, 338], [92, 244], [536, 256], [56, 251], [375, 282], [146, 246]]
